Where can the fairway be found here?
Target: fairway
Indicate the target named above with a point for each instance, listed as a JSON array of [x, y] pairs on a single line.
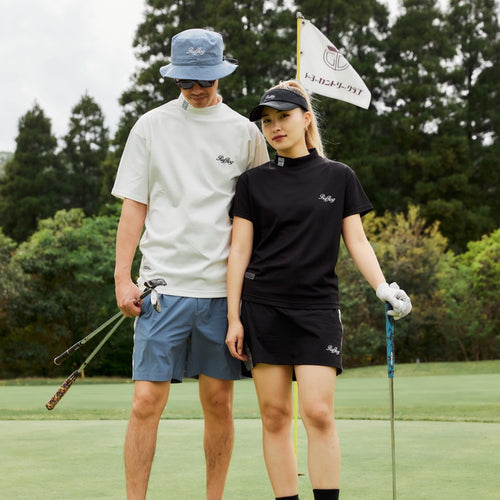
[[447, 439]]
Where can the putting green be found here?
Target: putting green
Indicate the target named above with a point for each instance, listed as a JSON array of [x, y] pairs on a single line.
[[447, 438], [83, 460]]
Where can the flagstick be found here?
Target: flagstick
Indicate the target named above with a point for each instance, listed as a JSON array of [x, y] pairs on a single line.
[[297, 76], [295, 391], [299, 22], [295, 404]]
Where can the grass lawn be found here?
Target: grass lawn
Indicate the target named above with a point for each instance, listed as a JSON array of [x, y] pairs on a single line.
[[447, 438]]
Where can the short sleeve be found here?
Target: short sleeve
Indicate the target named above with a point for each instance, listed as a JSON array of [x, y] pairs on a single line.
[[257, 145], [132, 178], [241, 206], [356, 200]]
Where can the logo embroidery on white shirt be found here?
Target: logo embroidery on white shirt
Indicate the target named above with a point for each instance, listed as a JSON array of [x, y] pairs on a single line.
[[225, 160]]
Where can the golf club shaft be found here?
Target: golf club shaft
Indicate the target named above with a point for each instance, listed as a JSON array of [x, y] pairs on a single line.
[[59, 359], [389, 330], [101, 343], [83, 341], [393, 440], [71, 379]]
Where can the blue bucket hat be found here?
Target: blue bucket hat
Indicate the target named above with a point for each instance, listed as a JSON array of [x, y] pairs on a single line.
[[197, 55]]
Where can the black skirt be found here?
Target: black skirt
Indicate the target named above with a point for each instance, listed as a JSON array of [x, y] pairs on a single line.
[[282, 336]]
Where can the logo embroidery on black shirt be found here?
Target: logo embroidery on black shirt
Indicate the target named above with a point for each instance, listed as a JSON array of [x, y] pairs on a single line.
[[326, 198]]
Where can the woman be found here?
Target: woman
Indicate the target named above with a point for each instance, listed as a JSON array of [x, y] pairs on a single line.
[[288, 216]]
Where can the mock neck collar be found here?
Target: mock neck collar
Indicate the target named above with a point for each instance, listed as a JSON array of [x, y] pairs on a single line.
[[283, 161], [184, 104]]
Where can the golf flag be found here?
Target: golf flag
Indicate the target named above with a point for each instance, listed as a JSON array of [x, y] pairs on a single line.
[[323, 70]]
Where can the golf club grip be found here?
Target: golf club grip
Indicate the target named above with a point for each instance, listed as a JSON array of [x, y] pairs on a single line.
[[389, 328], [66, 353], [62, 390]]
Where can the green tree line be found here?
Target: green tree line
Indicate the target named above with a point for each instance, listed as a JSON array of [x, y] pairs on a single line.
[[426, 152]]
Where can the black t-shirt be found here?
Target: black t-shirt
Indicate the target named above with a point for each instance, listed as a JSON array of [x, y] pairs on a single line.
[[296, 207]]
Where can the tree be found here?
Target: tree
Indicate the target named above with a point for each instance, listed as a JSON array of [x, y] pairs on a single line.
[[107, 201], [66, 291], [34, 184], [86, 147], [470, 289], [475, 81], [11, 283], [431, 58]]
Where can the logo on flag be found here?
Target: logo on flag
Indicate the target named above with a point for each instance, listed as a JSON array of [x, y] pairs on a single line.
[[323, 70], [334, 59]]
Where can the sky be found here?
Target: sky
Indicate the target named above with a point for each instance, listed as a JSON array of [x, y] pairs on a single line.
[[52, 52]]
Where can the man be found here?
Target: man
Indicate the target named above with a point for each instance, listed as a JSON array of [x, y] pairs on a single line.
[[177, 176]]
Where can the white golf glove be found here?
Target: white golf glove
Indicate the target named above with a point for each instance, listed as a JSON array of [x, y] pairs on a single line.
[[400, 302]]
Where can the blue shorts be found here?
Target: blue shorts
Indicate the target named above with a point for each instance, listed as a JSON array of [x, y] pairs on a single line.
[[187, 338]]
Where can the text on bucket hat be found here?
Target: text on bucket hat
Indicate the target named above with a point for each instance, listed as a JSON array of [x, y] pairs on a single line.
[[281, 99], [197, 55]]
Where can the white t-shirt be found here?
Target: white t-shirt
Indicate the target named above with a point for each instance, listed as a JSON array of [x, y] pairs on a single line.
[[183, 162]]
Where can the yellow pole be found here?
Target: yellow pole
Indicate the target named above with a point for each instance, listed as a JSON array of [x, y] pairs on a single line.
[[299, 21], [295, 391], [295, 418]]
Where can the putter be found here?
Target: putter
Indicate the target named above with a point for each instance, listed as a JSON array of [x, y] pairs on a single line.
[[150, 289], [389, 330]]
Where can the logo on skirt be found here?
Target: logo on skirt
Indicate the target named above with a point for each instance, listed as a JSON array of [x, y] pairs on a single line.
[[333, 350]]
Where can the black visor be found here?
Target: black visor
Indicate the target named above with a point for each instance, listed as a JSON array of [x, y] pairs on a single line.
[[281, 99]]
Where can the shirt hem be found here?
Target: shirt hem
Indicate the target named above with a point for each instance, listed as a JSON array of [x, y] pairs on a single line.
[[291, 304], [197, 294]]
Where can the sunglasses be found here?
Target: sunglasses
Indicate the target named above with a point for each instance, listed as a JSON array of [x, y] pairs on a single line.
[[189, 84]]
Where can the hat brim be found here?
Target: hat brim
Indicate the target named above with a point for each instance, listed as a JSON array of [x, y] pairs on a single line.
[[256, 113], [215, 72]]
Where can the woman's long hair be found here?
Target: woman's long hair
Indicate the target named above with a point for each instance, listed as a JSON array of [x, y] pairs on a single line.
[[313, 135]]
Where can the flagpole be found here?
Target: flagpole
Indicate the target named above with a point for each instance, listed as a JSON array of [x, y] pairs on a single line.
[[299, 23], [294, 384]]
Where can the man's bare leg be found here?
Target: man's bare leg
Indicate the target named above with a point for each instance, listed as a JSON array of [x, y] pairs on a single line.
[[148, 403], [216, 398]]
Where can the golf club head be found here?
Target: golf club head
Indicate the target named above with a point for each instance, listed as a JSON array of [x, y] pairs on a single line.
[[151, 290], [154, 283], [155, 300]]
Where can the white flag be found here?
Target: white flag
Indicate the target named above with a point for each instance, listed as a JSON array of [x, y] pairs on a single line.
[[324, 70]]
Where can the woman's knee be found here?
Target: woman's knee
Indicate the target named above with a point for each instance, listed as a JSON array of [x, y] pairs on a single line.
[[318, 416], [275, 418]]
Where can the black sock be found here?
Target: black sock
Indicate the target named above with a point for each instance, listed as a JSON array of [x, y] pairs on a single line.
[[326, 494], [293, 497]]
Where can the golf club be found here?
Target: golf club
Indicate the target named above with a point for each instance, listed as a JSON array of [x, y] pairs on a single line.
[[150, 289], [389, 330]]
